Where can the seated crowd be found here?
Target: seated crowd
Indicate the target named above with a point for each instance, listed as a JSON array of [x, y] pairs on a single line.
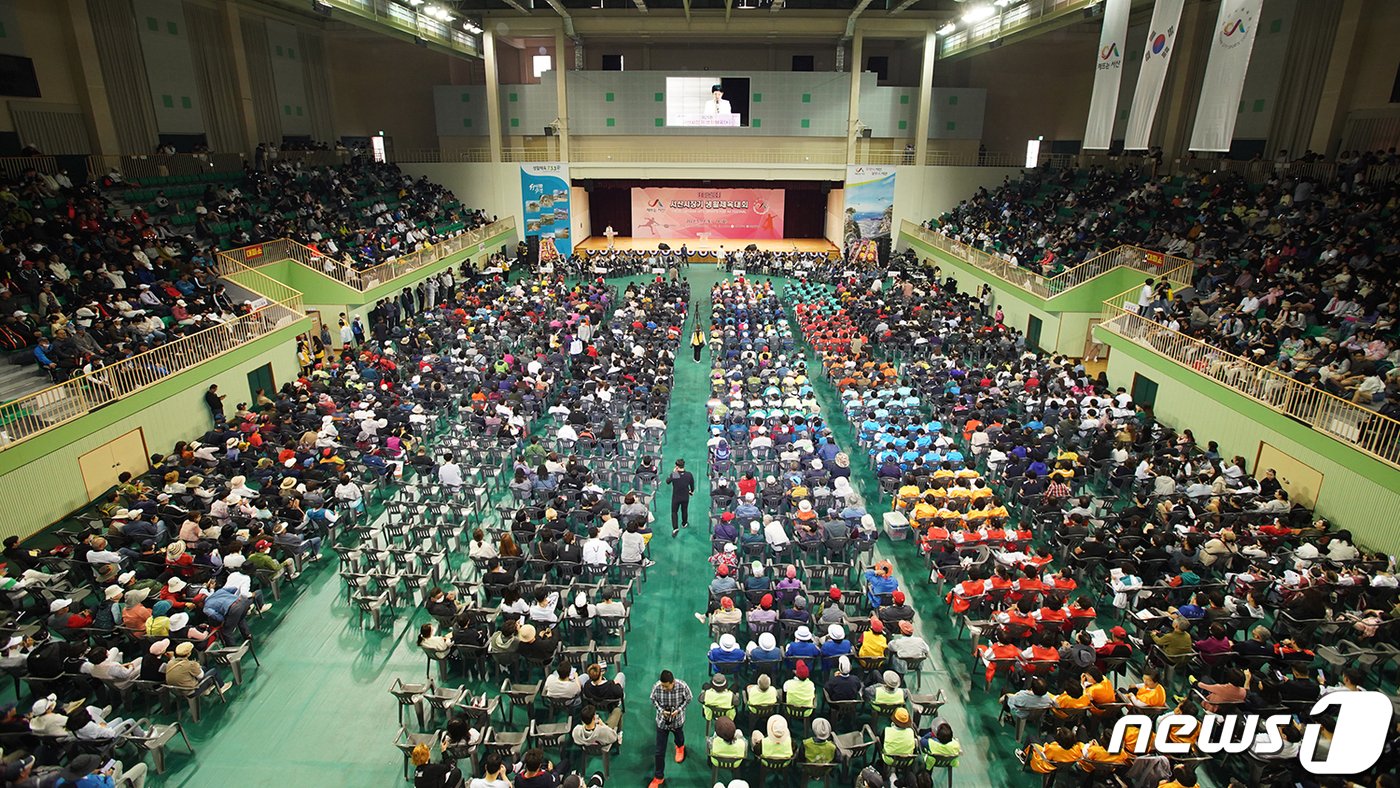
[[1291, 275], [1077, 541]]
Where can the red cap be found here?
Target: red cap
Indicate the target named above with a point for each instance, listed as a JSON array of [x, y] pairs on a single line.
[[834, 593], [898, 597], [722, 571], [1118, 632], [801, 669], [262, 544], [877, 627]]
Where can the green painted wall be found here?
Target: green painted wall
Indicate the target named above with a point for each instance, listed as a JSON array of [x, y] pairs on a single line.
[[39, 479], [1065, 317], [1358, 491], [318, 288]]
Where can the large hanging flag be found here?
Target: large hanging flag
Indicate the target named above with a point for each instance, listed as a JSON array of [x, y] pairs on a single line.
[[1230, 48], [1156, 56], [1108, 74]]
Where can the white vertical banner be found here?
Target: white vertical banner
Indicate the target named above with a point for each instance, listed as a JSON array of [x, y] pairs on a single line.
[[1156, 56], [1108, 73], [1230, 48]]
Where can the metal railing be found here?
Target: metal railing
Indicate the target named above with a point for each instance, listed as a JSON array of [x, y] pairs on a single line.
[[135, 168], [316, 158], [1257, 172], [1158, 264], [1360, 427], [34, 414], [586, 152], [363, 280], [13, 166], [1020, 17]]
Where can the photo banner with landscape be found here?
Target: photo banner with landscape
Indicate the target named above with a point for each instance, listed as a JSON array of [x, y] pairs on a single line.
[[869, 202]]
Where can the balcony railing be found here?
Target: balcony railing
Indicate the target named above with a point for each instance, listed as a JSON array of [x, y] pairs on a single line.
[[1361, 427], [13, 166], [136, 168], [1158, 264], [363, 280], [37, 413]]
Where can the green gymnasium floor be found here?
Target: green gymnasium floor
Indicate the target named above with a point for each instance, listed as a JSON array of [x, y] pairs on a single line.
[[317, 712]]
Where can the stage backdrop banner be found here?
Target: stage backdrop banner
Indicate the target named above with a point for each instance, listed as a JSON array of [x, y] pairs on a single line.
[[721, 214], [869, 202], [1156, 56], [1230, 48], [1108, 74], [544, 189]]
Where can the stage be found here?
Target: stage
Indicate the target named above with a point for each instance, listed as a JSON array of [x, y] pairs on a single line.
[[707, 247]]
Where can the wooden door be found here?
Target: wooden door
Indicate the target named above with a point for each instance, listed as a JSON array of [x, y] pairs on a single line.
[[101, 466]]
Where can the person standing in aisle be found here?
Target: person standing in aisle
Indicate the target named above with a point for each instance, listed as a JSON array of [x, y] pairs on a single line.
[[697, 341], [682, 487], [670, 696]]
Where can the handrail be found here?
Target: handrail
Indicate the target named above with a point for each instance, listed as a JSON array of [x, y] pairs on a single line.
[[1356, 425], [1159, 264], [139, 167], [363, 280], [13, 166], [41, 411]]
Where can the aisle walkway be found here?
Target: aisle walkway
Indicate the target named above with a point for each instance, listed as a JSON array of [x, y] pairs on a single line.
[[318, 711]]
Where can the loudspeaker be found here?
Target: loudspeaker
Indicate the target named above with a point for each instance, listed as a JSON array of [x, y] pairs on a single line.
[[867, 133], [882, 249], [532, 253], [549, 131]]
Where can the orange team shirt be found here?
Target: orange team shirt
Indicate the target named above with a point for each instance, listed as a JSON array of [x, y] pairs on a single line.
[[1154, 696], [1054, 754]]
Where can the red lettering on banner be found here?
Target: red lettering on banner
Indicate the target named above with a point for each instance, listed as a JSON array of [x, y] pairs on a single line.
[[253, 251]]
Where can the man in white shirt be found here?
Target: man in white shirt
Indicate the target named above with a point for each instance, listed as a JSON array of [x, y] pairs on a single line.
[[1145, 294], [450, 473], [596, 552]]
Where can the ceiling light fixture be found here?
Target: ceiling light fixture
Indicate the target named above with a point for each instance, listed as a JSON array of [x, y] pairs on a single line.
[[978, 13], [947, 29]]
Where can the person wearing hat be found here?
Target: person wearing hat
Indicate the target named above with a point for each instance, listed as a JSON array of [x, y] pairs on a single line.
[[45, 718], [819, 747], [185, 674], [880, 583], [887, 691], [724, 582], [536, 644], [799, 691], [842, 684], [761, 693], [898, 739], [725, 652], [835, 645], [63, 619], [717, 698], [873, 645], [775, 743], [726, 614], [765, 649], [907, 646], [896, 611], [158, 625], [17, 772]]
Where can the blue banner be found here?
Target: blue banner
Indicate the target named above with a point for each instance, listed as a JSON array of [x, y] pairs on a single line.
[[544, 192]]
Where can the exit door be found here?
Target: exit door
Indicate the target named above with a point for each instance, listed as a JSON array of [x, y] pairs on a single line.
[[101, 466], [1033, 326], [1144, 391], [260, 378]]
